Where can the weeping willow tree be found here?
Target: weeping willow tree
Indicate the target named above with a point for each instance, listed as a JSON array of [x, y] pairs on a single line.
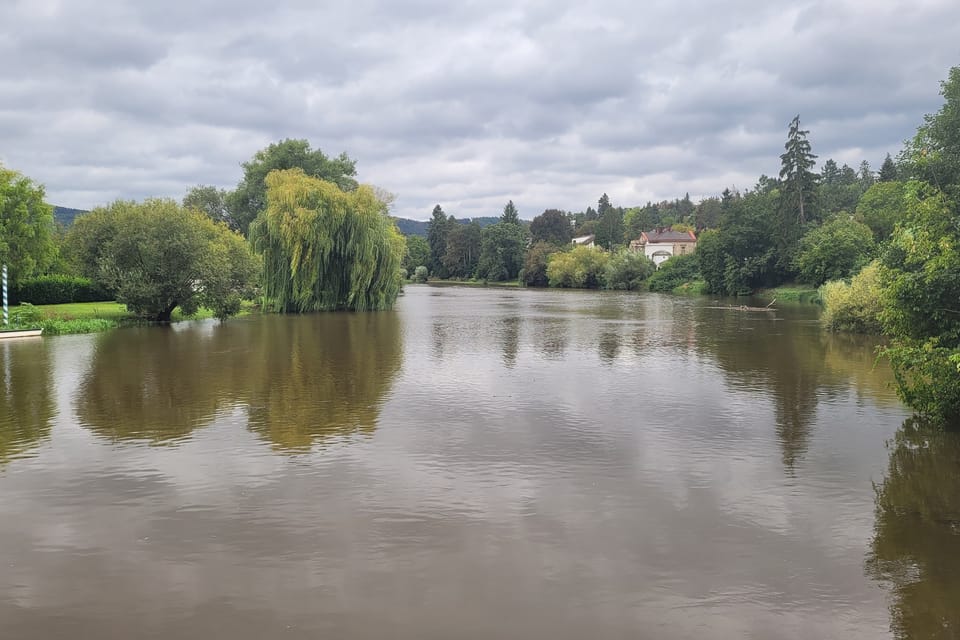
[[325, 249]]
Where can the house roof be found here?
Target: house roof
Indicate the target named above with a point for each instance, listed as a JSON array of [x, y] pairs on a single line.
[[666, 235], [583, 240]]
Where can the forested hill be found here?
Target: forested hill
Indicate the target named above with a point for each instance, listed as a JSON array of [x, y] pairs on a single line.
[[65, 215], [419, 227]]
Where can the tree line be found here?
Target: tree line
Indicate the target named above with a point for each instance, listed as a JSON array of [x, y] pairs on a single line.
[[299, 233]]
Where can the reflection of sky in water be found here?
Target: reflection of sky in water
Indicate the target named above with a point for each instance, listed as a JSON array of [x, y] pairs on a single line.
[[547, 463]]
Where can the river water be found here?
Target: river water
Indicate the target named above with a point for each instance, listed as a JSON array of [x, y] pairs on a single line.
[[479, 463]]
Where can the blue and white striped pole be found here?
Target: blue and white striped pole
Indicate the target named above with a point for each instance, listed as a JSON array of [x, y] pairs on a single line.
[[6, 311]]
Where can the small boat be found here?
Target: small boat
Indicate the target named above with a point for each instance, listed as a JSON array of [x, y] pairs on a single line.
[[20, 333]]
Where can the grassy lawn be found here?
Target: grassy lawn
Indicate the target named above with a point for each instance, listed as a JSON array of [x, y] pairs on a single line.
[[92, 317]]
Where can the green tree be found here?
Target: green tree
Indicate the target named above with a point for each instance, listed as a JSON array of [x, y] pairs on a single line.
[[675, 272], [463, 250], [836, 250], [888, 170], [706, 214], [743, 256], [510, 215], [325, 249], [799, 189], [551, 226], [921, 277], [502, 250], [26, 227], [933, 155], [866, 176], [609, 230], [881, 207], [250, 196], [437, 230], [157, 256], [535, 264], [418, 253], [212, 202], [579, 268], [628, 270]]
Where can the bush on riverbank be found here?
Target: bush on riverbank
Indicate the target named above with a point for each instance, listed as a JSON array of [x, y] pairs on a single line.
[[675, 272], [58, 289], [855, 306]]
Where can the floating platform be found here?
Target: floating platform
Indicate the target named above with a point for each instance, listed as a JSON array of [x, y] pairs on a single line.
[[20, 333]]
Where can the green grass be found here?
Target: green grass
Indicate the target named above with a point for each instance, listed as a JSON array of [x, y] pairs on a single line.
[[693, 288], [791, 293], [92, 317]]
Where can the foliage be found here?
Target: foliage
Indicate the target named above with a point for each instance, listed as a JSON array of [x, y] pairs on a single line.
[[579, 268], [418, 253], [933, 155], [437, 230], [463, 250], [250, 196], [551, 226], [156, 256], [420, 274], [628, 270], [502, 250], [58, 289], [212, 202], [834, 251], [674, 272], [742, 256], [325, 249], [609, 229], [921, 276], [799, 182], [888, 170], [510, 214], [56, 327], [26, 227], [535, 264], [853, 307], [881, 207]]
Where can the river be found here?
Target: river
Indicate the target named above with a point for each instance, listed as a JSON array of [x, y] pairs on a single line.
[[479, 463]]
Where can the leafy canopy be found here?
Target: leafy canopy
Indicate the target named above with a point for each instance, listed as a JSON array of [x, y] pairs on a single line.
[[156, 256], [325, 249], [250, 196], [26, 227]]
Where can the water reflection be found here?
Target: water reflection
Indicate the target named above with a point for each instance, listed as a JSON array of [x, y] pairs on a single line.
[[916, 546], [26, 397], [299, 378], [321, 375], [159, 383]]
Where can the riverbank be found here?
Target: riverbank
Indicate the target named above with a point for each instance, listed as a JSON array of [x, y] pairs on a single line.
[[94, 317]]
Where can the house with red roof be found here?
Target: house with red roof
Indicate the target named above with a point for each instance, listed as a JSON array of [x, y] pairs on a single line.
[[662, 244]]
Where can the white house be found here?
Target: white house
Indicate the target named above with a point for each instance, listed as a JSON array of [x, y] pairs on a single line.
[[661, 244]]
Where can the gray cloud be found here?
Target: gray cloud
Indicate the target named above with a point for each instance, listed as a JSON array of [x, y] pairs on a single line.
[[466, 104]]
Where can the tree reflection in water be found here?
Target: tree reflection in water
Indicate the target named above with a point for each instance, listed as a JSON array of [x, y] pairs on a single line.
[[26, 398], [916, 544]]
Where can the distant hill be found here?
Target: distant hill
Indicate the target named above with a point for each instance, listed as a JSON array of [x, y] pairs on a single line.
[[419, 227], [65, 215]]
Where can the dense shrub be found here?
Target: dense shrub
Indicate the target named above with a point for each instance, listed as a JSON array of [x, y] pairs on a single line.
[[628, 270], [853, 307], [420, 274], [534, 272], [579, 268], [59, 289], [836, 250], [674, 272]]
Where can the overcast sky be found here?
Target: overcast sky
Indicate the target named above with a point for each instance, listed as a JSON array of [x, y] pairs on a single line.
[[466, 104]]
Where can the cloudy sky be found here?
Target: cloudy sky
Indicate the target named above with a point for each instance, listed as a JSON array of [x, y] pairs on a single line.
[[550, 103]]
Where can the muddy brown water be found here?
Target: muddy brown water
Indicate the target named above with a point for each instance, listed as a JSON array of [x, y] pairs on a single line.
[[479, 463]]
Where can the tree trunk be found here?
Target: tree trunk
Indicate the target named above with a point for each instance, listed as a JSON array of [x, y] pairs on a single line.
[[164, 316]]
